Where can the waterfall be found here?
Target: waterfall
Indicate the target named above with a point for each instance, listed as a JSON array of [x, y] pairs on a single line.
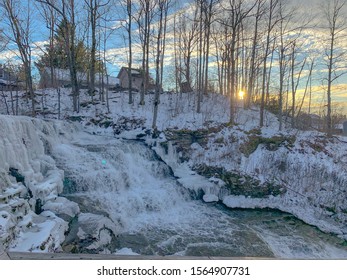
[[121, 197], [141, 208]]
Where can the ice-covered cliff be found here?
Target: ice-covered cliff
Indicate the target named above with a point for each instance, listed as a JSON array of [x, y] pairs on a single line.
[[303, 173], [30, 183]]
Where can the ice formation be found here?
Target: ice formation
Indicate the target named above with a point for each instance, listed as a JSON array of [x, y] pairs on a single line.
[[30, 183]]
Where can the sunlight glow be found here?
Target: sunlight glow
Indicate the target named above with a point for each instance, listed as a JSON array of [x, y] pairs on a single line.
[[241, 94]]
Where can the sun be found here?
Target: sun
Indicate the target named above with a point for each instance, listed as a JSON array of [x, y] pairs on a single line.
[[241, 94]]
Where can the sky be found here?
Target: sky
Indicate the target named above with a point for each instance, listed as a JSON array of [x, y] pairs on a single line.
[[117, 52]]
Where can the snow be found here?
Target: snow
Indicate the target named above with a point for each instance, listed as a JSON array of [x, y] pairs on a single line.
[[24, 145], [313, 180], [64, 74], [45, 235], [50, 187], [7, 82], [125, 252], [314, 170], [6, 224], [61, 205]]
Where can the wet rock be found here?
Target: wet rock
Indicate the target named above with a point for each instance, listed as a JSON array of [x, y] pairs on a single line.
[[130, 240], [14, 173], [38, 206], [237, 183]]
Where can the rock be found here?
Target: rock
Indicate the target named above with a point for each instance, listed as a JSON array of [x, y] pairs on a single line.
[[38, 206], [62, 206], [96, 233], [14, 173]]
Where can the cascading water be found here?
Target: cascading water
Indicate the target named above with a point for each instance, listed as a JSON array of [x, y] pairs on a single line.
[[152, 214]]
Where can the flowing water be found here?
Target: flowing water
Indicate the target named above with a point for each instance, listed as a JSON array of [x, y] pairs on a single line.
[[153, 214]]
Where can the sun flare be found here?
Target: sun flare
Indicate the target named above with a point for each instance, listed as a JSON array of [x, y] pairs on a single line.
[[241, 94]]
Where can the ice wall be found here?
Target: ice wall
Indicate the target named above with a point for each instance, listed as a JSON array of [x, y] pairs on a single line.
[[315, 179], [25, 144]]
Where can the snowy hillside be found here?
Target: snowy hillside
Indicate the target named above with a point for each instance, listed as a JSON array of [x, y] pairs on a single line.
[[242, 166]]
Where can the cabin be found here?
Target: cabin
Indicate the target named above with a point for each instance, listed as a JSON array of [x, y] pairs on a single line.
[[137, 79], [58, 77]]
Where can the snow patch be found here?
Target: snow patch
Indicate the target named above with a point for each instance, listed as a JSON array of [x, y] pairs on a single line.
[[61, 205], [126, 252]]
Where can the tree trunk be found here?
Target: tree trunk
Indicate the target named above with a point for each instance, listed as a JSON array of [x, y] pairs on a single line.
[[129, 10], [93, 11], [252, 70], [272, 5], [163, 10]]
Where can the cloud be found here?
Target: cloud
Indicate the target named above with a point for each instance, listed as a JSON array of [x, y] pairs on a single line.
[[12, 54], [38, 48], [319, 97]]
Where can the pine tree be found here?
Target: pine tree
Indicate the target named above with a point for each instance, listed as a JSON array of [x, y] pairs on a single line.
[[58, 56]]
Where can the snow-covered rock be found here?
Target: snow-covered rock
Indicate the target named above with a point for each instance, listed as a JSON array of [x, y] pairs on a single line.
[[7, 225], [62, 206], [126, 252], [91, 224], [45, 234], [97, 229], [28, 174], [305, 170]]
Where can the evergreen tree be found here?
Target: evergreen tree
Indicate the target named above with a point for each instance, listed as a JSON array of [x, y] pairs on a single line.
[[58, 56]]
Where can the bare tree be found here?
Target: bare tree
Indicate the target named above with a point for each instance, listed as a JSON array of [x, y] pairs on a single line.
[[3, 40], [144, 18], [295, 76], [200, 74], [107, 32], [216, 35], [272, 20], [163, 8], [209, 13], [335, 17], [50, 17], [286, 48], [236, 12], [66, 10], [307, 89], [260, 11], [19, 19], [94, 9], [130, 58], [187, 28]]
